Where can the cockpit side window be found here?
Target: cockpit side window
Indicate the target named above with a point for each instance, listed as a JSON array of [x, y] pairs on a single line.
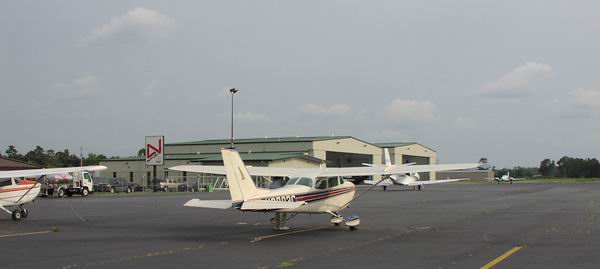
[[321, 183], [304, 181], [5, 182], [333, 181]]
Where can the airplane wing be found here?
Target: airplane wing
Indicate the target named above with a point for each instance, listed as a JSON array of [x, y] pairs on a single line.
[[429, 182], [328, 172], [269, 205], [252, 170], [383, 183], [49, 171], [403, 169]]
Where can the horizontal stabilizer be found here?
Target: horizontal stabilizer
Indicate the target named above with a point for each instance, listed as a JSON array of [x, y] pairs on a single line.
[[269, 205], [216, 204], [429, 182]]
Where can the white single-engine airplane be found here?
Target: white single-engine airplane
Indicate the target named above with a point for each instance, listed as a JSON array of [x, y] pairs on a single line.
[[506, 178], [308, 191], [16, 192], [404, 179]]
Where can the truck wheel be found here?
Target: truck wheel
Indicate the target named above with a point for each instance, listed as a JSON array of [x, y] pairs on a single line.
[[61, 192], [85, 192], [128, 190], [16, 214], [112, 190]]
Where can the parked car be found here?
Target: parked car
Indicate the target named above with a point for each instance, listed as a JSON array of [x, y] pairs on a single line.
[[118, 185], [191, 186], [169, 185]]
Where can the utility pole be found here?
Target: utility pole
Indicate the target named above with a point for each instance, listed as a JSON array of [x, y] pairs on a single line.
[[232, 91], [81, 156]]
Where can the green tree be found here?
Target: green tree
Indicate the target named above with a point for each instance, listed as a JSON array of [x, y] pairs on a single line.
[[141, 152], [12, 153], [547, 168]]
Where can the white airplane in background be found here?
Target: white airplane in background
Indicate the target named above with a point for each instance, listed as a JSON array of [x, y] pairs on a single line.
[[405, 179], [16, 192], [506, 178], [308, 191]]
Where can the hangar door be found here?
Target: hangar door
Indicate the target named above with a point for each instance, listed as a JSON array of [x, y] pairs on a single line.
[[344, 159], [417, 160]]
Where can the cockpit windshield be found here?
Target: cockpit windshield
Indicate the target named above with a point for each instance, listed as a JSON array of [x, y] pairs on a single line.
[[305, 181]]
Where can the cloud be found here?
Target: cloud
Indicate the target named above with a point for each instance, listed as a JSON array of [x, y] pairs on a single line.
[[80, 88], [587, 97], [518, 83], [336, 110], [138, 24], [251, 117], [581, 103], [405, 111], [463, 122]]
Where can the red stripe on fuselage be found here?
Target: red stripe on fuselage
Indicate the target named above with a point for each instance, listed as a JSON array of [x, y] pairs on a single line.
[[4, 190]]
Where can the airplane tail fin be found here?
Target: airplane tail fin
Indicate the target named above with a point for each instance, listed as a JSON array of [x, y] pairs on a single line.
[[388, 160], [241, 186]]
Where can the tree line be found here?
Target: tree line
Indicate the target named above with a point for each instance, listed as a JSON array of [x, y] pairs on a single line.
[[51, 158], [570, 167], [565, 167]]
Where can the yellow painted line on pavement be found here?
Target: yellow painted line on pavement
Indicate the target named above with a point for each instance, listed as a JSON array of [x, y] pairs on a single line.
[[502, 257], [256, 239], [22, 234]]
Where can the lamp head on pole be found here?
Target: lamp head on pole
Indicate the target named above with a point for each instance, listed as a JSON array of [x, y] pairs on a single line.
[[233, 90]]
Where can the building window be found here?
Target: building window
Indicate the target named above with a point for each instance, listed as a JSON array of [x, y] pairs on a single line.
[[184, 176], [114, 174], [130, 176]]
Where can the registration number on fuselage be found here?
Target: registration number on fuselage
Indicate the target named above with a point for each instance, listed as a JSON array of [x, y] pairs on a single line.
[[286, 198]]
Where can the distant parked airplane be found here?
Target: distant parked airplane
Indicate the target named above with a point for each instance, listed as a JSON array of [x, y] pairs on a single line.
[[506, 178], [405, 179]]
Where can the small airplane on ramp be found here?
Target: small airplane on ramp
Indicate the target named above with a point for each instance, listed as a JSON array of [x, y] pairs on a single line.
[[308, 191], [16, 192], [405, 179], [506, 178]]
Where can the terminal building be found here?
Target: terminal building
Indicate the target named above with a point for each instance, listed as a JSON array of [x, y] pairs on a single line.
[[293, 152]]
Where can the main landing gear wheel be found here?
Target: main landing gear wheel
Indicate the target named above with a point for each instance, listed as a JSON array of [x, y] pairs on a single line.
[[24, 212], [16, 214], [419, 187]]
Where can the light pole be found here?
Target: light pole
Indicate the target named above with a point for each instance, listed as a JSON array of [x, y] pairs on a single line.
[[232, 91]]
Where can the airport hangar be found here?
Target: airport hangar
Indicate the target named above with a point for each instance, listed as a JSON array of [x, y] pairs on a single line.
[[294, 152]]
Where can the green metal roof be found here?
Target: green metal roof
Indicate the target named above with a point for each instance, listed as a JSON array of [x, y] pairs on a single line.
[[400, 144], [260, 140], [211, 157]]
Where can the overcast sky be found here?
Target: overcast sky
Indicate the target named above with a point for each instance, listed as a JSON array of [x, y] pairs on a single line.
[[514, 81]]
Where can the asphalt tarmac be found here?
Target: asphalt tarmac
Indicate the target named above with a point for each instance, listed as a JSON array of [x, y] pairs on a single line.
[[443, 226]]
